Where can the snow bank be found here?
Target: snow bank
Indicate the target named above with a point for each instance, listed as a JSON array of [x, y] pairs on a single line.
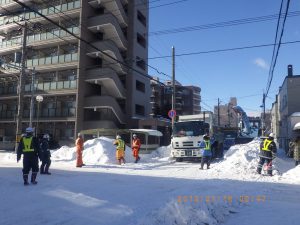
[[96, 152], [241, 159], [100, 151], [190, 213], [293, 174]]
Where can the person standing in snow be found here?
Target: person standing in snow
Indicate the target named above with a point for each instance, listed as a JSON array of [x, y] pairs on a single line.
[[206, 154], [136, 145], [79, 148], [267, 153], [29, 147], [120, 150], [296, 150], [45, 155]]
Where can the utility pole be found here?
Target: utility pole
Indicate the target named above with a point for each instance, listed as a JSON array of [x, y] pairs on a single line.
[[218, 112], [263, 116], [32, 97], [21, 89], [173, 84]]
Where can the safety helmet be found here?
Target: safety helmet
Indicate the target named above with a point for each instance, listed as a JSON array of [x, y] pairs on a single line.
[[118, 137], [134, 135], [79, 134], [205, 136], [271, 135], [46, 136], [29, 130]]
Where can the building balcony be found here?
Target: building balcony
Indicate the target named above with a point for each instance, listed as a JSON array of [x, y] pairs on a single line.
[[70, 9], [53, 61], [110, 49], [42, 39], [105, 102], [8, 5], [110, 26], [108, 79], [104, 124], [115, 7], [54, 86]]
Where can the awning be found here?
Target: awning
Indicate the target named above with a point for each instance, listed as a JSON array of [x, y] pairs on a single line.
[[147, 131], [297, 126]]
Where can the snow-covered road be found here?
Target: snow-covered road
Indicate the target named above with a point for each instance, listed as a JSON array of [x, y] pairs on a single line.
[[156, 191]]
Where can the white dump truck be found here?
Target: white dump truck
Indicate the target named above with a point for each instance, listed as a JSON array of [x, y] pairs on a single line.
[[186, 137]]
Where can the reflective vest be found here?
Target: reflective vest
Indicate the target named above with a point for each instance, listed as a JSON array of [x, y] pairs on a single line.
[[266, 145], [121, 144], [27, 144], [207, 145]]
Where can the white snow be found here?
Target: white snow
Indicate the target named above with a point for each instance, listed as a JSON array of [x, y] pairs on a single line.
[[154, 191]]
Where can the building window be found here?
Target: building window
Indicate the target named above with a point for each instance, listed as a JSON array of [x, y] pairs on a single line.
[[140, 86], [139, 110], [141, 40], [140, 63], [141, 18]]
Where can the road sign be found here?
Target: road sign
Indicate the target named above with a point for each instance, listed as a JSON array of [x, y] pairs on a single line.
[[172, 113]]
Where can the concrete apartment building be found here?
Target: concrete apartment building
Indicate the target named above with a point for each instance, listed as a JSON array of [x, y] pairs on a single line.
[[187, 98], [97, 81], [286, 109]]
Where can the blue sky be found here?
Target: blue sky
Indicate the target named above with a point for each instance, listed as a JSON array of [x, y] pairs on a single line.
[[241, 73]]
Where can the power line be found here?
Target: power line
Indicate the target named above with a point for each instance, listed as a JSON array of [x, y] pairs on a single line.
[[224, 50], [224, 24], [277, 52]]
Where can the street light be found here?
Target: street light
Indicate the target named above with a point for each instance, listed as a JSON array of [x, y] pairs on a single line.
[[39, 99]]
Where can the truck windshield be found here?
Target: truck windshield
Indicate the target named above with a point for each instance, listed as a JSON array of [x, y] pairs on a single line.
[[190, 128]]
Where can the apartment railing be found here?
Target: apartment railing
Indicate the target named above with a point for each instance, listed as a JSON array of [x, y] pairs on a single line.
[[40, 37], [44, 86], [51, 112], [59, 59], [4, 2], [46, 12]]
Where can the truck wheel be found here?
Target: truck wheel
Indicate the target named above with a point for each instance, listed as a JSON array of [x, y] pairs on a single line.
[[179, 159]]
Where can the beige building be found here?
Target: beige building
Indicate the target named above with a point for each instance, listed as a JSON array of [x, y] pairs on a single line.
[[286, 108], [98, 80], [225, 115]]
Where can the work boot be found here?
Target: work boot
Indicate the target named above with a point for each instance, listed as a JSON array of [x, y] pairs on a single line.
[[33, 178], [258, 170], [201, 168], [25, 178]]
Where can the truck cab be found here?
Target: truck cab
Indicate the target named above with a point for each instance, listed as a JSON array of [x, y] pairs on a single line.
[[186, 139]]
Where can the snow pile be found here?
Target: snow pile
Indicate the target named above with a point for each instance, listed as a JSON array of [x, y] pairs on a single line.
[[190, 213], [96, 151], [160, 154], [100, 151], [241, 159], [293, 174]]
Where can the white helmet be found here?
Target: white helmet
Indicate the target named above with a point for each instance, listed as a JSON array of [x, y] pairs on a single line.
[[29, 130], [134, 135], [271, 135], [46, 136], [118, 137]]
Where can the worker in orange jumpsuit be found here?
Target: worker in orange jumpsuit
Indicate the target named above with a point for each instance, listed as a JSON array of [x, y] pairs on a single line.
[[136, 145], [79, 148], [120, 151]]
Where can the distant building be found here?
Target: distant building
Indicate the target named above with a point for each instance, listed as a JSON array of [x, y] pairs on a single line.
[[224, 115], [187, 99]]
